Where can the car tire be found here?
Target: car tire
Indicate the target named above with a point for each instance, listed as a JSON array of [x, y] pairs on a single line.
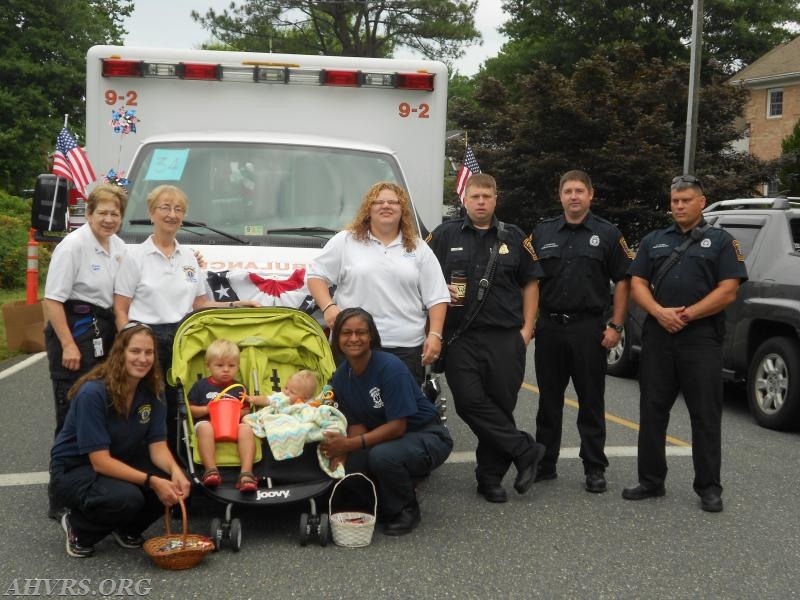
[[619, 361], [773, 383]]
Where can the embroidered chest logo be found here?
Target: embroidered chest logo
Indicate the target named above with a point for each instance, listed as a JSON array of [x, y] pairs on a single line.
[[594, 240], [144, 413], [705, 243], [95, 267], [375, 394], [191, 274]]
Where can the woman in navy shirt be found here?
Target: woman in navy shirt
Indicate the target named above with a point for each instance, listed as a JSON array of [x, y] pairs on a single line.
[[110, 465], [394, 433]]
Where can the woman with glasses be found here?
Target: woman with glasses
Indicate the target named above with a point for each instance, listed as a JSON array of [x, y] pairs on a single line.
[[380, 263], [110, 464], [160, 281]]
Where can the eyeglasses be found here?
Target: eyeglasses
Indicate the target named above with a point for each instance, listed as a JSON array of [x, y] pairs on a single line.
[[166, 209], [134, 324], [389, 201], [688, 179]]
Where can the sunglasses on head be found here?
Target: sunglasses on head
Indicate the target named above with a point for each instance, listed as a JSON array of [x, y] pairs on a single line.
[[688, 179], [133, 324]]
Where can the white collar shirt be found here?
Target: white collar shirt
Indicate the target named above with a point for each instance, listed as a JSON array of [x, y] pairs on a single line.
[[162, 288], [81, 269]]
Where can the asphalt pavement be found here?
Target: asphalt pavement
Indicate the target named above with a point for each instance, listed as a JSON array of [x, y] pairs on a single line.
[[557, 541]]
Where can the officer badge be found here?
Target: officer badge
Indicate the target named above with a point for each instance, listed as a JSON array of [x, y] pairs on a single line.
[[594, 240], [706, 243], [503, 248]]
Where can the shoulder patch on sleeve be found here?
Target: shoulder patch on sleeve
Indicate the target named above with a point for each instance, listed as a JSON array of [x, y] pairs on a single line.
[[738, 249], [528, 245], [429, 238], [625, 248]]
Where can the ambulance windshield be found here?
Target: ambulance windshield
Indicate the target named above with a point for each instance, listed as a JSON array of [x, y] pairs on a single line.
[[254, 189]]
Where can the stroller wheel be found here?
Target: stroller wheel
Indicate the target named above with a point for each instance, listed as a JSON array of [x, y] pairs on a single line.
[[324, 529], [304, 529], [236, 534], [216, 533]]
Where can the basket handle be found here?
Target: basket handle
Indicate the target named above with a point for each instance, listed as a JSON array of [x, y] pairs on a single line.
[[374, 493], [183, 516], [231, 386]]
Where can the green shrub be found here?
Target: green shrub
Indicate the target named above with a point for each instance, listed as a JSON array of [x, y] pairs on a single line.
[[15, 219]]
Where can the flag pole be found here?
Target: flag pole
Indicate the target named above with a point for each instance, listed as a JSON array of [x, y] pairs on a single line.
[[55, 192]]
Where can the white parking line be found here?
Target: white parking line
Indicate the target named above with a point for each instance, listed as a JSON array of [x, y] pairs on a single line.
[[456, 458], [611, 451], [22, 364]]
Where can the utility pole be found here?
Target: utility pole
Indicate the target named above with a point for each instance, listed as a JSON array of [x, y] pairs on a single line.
[[694, 88]]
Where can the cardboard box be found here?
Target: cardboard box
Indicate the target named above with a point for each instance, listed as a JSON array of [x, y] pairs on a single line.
[[24, 326]]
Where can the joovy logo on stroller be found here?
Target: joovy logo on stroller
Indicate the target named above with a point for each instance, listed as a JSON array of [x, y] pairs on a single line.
[[265, 494]]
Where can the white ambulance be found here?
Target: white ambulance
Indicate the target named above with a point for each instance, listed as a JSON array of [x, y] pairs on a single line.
[[275, 152]]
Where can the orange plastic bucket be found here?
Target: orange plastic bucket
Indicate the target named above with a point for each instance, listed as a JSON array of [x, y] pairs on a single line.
[[224, 412]]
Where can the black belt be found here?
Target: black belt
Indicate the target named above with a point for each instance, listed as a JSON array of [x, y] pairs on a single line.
[[76, 307], [565, 318]]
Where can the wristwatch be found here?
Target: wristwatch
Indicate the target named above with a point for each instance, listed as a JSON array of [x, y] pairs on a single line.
[[615, 327]]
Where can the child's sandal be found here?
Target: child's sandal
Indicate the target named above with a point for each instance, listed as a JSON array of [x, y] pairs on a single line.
[[247, 482], [211, 478]]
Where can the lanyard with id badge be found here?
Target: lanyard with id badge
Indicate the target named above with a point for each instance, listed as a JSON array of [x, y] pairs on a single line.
[[85, 324]]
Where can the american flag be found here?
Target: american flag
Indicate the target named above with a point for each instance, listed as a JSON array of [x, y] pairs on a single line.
[[468, 167], [70, 161]]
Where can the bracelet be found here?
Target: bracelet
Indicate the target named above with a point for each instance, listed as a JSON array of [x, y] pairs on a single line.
[[146, 484], [437, 334], [363, 442], [328, 305]]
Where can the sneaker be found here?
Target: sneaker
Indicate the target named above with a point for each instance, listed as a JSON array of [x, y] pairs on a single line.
[[74, 547], [127, 541]]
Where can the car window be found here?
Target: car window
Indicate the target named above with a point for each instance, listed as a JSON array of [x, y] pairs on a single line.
[[795, 225], [745, 234]]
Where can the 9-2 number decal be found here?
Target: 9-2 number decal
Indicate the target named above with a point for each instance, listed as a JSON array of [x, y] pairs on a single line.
[[129, 97], [406, 110]]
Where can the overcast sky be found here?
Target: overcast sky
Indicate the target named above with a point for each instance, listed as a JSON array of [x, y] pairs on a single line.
[[168, 24]]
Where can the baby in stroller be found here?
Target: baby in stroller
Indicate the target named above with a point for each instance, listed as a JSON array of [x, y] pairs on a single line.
[[301, 387], [222, 361]]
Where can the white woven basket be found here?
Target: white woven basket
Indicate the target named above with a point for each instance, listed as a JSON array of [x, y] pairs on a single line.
[[352, 529]]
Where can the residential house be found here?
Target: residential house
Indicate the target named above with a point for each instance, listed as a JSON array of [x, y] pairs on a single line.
[[774, 104]]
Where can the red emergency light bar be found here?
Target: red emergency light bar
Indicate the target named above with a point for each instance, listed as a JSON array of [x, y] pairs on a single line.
[[415, 81], [339, 78], [114, 67], [199, 71], [122, 68]]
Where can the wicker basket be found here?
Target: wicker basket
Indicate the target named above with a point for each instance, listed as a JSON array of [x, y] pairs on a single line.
[[352, 529], [178, 550]]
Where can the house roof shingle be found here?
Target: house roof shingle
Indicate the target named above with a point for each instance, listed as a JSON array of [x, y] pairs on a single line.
[[778, 63]]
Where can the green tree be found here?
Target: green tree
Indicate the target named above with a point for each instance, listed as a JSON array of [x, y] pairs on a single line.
[[437, 29], [561, 32], [43, 75], [618, 116], [789, 175]]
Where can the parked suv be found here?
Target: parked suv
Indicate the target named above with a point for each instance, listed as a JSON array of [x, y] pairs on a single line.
[[762, 339]]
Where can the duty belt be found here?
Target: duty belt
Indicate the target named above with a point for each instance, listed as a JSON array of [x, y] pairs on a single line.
[[565, 318]]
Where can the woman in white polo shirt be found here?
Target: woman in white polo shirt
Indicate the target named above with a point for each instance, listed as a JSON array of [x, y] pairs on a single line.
[[160, 282], [79, 293], [380, 264]]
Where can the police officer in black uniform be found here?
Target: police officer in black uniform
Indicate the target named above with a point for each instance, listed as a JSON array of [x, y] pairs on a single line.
[[580, 254], [486, 362], [682, 338]]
